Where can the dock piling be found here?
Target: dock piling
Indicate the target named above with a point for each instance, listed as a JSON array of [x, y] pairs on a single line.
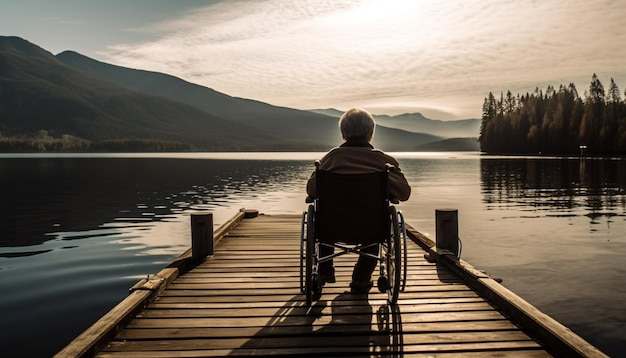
[[201, 236], [447, 230]]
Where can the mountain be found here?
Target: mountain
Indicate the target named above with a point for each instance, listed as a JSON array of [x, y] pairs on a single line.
[[38, 92], [283, 122], [416, 122], [286, 123], [70, 94]]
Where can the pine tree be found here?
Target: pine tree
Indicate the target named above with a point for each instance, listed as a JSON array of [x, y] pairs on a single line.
[[487, 125], [611, 115], [591, 122]]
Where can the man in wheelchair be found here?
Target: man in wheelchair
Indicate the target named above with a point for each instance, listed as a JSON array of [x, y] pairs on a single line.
[[353, 161]]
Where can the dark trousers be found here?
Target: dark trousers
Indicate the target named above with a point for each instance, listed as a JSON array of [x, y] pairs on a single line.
[[363, 268]]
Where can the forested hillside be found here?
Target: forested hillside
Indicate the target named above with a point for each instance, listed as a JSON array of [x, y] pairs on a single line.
[[556, 122], [47, 106]]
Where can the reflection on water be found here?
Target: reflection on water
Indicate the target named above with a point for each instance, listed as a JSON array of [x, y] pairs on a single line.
[[44, 196], [561, 187], [554, 230]]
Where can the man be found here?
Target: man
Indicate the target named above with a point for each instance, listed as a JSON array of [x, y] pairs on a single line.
[[357, 156]]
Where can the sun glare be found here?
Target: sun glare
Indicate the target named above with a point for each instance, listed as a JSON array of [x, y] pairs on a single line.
[[384, 27]]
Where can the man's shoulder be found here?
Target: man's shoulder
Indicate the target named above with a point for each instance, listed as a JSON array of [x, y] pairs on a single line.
[[388, 157]]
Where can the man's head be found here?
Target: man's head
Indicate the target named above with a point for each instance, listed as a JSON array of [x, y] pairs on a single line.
[[357, 123]]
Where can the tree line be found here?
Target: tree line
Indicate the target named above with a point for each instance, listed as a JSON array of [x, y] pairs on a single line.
[[556, 122], [43, 142]]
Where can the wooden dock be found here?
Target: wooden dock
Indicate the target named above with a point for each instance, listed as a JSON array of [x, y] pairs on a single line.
[[246, 300]]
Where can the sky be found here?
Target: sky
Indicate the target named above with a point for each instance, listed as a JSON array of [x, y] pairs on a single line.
[[440, 58]]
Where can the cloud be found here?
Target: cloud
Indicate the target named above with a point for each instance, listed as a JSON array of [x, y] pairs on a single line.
[[445, 55]]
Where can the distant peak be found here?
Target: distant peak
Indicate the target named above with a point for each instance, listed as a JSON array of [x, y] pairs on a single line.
[[69, 53], [12, 39], [20, 45], [73, 54]]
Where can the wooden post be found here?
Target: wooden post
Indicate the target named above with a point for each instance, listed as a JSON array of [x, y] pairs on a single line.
[[447, 230], [201, 236]]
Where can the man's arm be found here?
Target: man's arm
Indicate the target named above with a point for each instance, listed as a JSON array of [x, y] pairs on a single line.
[[310, 186], [399, 188]]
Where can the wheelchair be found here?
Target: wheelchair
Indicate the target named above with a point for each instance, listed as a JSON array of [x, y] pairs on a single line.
[[350, 213]]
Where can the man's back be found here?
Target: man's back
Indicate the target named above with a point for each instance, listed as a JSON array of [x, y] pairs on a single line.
[[348, 159]]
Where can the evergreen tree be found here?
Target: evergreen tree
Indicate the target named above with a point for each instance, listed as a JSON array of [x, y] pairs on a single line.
[[536, 111], [611, 116], [592, 116], [621, 133], [486, 126]]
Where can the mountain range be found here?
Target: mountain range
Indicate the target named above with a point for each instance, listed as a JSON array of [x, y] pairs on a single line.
[[73, 95], [417, 123]]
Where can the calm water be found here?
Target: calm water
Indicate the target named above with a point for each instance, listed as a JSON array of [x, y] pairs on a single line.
[[77, 231]]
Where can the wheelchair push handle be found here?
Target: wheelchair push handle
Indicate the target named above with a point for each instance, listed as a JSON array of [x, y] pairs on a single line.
[[389, 168]]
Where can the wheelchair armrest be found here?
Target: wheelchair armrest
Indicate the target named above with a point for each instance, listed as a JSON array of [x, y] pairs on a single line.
[[394, 200], [309, 199]]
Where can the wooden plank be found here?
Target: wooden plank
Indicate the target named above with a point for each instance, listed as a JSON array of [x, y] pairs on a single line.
[[304, 320], [284, 298], [204, 310], [276, 304], [531, 353], [412, 343], [139, 331], [193, 308]]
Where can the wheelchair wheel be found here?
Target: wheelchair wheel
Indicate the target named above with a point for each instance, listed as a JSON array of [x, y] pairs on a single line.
[[404, 249], [303, 236], [311, 281], [394, 258]]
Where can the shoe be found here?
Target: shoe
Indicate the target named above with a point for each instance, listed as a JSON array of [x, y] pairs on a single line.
[[360, 288]]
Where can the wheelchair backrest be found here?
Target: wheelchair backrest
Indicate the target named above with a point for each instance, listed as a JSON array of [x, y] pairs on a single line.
[[352, 208]]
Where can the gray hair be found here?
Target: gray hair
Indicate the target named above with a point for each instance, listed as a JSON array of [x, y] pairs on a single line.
[[357, 123]]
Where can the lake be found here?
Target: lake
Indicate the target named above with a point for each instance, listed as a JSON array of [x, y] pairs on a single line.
[[78, 230]]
